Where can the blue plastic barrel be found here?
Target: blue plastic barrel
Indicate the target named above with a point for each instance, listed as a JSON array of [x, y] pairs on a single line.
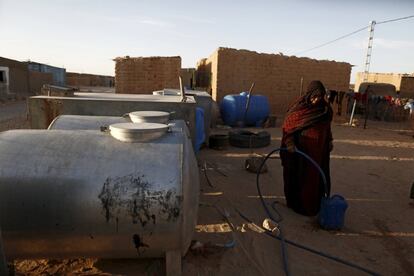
[[233, 110], [200, 134], [332, 212]]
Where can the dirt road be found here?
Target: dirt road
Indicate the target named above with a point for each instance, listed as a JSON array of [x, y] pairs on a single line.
[[12, 110], [13, 115]]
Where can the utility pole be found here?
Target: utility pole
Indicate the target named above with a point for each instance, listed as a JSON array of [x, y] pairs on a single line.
[[367, 63]]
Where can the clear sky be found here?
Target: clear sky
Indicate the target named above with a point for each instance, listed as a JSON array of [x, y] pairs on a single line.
[[85, 35]]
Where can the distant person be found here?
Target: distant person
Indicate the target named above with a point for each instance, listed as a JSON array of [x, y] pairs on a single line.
[[307, 127], [410, 106]]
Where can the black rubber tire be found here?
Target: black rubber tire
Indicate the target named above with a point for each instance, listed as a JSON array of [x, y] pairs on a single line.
[[248, 139], [218, 141]]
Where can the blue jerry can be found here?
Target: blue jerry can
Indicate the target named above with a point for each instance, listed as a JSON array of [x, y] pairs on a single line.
[[332, 212], [200, 133]]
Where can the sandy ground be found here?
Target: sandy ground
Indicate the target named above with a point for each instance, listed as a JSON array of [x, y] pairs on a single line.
[[372, 168], [13, 115]]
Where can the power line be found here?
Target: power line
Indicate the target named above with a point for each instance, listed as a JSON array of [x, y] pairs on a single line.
[[396, 19], [335, 40], [354, 32]]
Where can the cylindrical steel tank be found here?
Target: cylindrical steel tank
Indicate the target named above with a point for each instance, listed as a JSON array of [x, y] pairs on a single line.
[[71, 193], [203, 100], [81, 122]]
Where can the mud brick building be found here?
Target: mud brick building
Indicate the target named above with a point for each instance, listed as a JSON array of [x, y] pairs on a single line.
[[279, 77], [142, 75], [404, 83]]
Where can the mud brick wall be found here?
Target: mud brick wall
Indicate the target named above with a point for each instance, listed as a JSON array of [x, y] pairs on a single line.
[[37, 80], [187, 75], [276, 76], [142, 75], [407, 87], [404, 83], [18, 76], [77, 79], [203, 74], [394, 79]]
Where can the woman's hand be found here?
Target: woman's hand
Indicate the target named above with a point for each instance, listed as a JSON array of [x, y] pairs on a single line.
[[290, 145]]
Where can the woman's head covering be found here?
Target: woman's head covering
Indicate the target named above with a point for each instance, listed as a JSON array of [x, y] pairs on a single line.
[[303, 113], [315, 90]]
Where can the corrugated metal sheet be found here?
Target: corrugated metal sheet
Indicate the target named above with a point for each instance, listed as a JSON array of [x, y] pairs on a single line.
[[59, 74]]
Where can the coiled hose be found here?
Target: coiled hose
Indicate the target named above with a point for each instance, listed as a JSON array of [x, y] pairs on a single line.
[[280, 218]]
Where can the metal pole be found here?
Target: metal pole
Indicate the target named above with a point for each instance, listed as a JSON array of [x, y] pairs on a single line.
[[366, 107], [182, 90], [352, 113], [248, 103], [367, 63]]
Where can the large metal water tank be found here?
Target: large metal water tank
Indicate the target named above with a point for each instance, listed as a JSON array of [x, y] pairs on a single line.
[[80, 122], [203, 100], [71, 193]]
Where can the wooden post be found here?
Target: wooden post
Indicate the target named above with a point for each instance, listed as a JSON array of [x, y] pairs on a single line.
[[173, 263], [3, 262], [301, 86]]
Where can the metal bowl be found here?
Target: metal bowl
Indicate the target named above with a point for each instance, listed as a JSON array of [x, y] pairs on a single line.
[[133, 132], [160, 117]]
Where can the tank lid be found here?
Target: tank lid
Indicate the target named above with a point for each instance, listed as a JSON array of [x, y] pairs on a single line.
[[161, 117], [149, 113], [133, 132]]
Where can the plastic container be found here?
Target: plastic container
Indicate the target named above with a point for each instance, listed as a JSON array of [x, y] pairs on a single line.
[[233, 110], [200, 133], [332, 212]]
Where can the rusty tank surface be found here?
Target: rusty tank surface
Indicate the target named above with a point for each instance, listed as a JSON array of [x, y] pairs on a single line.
[[83, 193]]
